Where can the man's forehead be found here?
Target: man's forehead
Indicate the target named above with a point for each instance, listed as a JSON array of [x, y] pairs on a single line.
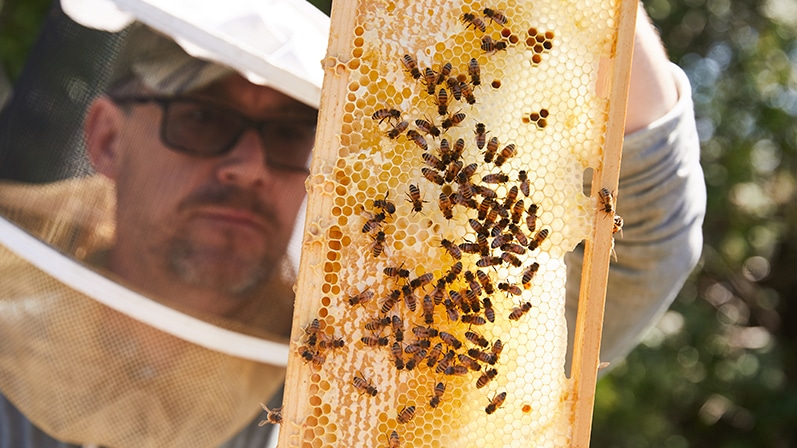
[[236, 91]]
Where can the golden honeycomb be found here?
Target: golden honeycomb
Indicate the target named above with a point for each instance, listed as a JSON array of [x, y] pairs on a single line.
[[446, 190]]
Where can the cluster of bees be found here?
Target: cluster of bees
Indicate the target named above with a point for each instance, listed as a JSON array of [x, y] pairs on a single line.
[[504, 225]]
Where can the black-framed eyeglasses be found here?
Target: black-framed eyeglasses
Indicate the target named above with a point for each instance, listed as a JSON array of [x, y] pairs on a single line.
[[204, 129]]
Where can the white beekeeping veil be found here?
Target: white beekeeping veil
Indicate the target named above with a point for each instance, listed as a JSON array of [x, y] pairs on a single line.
[[86, 355]]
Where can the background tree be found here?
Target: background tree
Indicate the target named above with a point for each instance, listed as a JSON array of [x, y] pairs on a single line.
[[720, 369]]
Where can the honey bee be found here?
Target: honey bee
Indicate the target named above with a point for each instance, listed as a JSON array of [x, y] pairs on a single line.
[[472, 20], [459, 301], [481, 133], [434, 354], [453, 120], [511, 195], [439, 291], [374, 341], [482, 356], [465, 189], [406, 414], [398, 355], [439, 390], [417, 346], [538, 239], [473, 300], [518, 234], [384, 114], [531, 218], [487, 261], [618, 225], [510, 288], [445, 70], [411, 65], [606, 200], [474, 72], [466, 172], [528, 274], [378, 245], [363, 385], [453, 170], [442, 101], [400, 127], [432, 176], [500, 240], [374, 223], [410, 299], [519, 311], [495, 178], [414, 196], [452, 249], [469, 362], [473, 283], [477, 339], [491, 46], [454, 272], [495, 403], [449, 339], [469, 248], [429, 128], [484, 279], [427, 306], [377, 324], [361, 298], [459, 147], [467, 92], [397, 272], [385, 205], [390, 301], [430, 79], [484, 207], [489, 311], [422, 280], [505, 154], [451, 310], [473, 319], [492, 148], [398, 328], [433, 161], [486, 377], [525, 184], [495, 15], [498, 347], [454, 86], [393, 440], [478, 227], [444, 363], [513, 248], [313, 357], [424, 332], [418, 139], [445, 151], [273, 416], [312, 330], [507, 257], [485, 192], [456, 370], [517, 211], [416, 358]]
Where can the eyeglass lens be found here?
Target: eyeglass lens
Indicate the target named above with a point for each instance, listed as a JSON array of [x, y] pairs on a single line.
[[205, 129]]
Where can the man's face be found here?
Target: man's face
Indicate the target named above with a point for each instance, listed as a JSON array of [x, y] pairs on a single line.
[[217, 224]]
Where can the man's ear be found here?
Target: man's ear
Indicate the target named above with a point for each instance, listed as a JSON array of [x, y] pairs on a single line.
[[102, 128]]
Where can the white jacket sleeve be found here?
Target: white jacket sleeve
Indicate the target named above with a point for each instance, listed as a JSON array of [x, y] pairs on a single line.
[[662, 198]]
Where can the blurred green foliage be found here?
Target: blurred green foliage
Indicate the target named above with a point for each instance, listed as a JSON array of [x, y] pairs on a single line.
[[720, 369]]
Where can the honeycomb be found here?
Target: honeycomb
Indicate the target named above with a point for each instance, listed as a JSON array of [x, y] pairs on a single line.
[[445, 192]]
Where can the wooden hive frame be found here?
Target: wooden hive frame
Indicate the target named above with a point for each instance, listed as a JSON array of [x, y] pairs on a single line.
[[303, 410]]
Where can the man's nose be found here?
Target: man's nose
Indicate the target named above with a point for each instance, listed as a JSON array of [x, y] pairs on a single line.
[[245, 164]]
